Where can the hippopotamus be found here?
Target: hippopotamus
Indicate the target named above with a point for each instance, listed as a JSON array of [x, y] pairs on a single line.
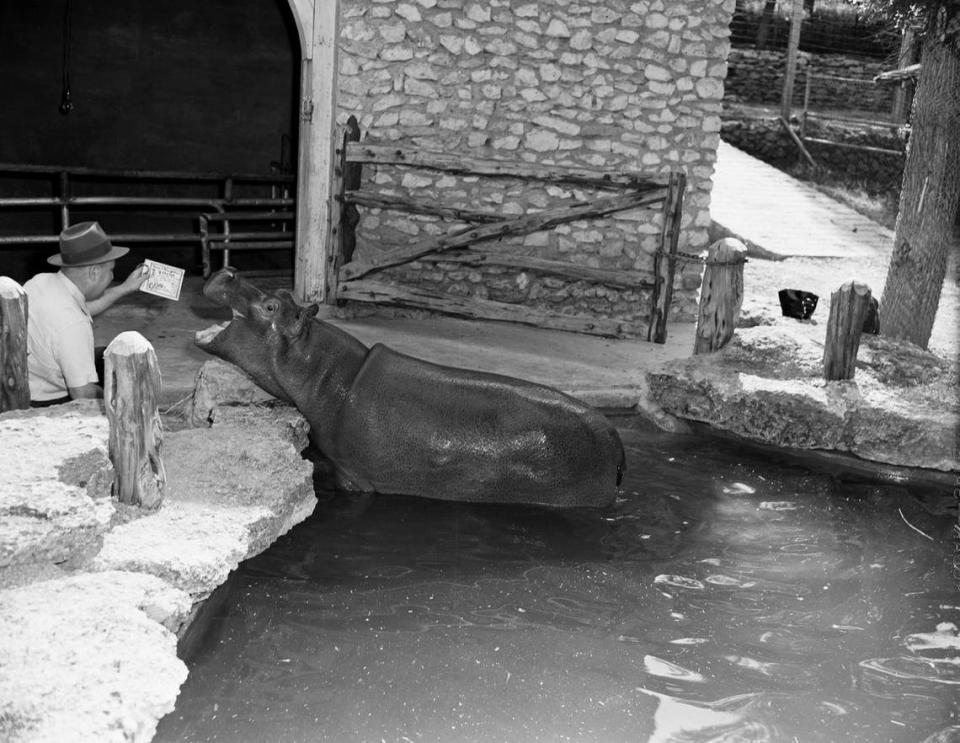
[[392, 423]]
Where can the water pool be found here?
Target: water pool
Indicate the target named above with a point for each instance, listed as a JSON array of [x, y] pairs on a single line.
[[730, 595]]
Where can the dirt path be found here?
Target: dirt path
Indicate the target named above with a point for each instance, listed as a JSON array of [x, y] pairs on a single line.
[[764, 278]]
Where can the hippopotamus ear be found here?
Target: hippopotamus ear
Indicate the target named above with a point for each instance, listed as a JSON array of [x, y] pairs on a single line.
[[302, 320]]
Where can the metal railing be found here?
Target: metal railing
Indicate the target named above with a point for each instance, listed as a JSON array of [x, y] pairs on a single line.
[[269, 230], [89, 192]]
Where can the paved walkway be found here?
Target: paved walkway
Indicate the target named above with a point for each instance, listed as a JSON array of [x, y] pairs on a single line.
[[816, 244], [778, 216]]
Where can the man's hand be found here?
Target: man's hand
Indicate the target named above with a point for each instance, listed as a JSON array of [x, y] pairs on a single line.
[[135, 279]]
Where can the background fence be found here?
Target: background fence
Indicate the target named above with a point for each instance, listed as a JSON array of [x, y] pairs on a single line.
[[829, 27], [827, 40], [804, 85]]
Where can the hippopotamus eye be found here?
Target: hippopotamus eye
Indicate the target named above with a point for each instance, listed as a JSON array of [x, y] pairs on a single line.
[[271, 305]]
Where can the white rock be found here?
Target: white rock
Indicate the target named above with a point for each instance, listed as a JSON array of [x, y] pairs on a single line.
[[88, 658]]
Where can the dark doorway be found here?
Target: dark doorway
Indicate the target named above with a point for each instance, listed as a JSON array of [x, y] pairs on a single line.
[[155, 85]]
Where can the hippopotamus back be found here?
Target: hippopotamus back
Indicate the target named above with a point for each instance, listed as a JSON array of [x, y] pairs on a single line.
[[473, 436]]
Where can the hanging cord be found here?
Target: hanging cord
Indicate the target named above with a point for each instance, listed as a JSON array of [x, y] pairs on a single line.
[[66, 105]]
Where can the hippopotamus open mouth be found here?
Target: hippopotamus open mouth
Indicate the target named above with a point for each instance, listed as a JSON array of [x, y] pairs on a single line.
[[227, 289], [264, 330], [203, 338]]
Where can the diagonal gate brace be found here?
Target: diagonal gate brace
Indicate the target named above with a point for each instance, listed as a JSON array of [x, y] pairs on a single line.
[[497, 230]]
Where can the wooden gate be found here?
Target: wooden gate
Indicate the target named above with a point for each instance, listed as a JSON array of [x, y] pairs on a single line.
[[350, 279]]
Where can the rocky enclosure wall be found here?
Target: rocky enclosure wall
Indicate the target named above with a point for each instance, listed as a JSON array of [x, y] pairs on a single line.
[[757, 77], [613, 85]]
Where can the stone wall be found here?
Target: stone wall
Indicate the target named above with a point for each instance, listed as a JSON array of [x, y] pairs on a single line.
[[757, 77], [613, 85]]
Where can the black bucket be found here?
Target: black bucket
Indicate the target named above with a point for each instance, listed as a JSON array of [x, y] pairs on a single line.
[[797, 304]]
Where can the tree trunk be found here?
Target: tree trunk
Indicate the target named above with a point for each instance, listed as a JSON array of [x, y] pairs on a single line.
[[928, 200]]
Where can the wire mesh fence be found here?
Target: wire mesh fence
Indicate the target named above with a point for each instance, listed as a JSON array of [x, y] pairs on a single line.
[[829, 27], [831, 112], [837, 57]]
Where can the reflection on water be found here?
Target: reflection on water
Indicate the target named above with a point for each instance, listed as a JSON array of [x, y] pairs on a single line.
[[727, 596]]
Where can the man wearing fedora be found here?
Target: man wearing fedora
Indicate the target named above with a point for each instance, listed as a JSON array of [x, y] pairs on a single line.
[[61, 358]]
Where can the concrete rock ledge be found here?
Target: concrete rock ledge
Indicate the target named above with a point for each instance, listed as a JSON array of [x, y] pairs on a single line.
[[93, 593], [90, 657], [767, 385]]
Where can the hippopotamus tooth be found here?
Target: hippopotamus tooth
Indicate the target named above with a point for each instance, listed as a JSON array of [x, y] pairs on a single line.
[[391, 423]]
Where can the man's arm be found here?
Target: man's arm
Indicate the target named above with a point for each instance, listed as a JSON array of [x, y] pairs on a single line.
[[113, 293], [86, 392]]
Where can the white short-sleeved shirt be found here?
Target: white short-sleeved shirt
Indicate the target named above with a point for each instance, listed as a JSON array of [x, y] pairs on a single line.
[[59, 337]]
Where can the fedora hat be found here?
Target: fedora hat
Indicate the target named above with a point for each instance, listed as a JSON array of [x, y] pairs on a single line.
[[84, 244]]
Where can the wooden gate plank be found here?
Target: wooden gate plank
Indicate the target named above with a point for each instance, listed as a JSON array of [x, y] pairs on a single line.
[[610, 276], [465, 165], [478, 309], [376, 200], [665, 261]]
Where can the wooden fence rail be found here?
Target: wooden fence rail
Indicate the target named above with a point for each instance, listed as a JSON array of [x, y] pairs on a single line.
[[350, 279], [458, 164]]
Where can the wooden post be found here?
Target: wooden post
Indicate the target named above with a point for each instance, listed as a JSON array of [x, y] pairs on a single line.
[[665, 261], [790, 74], [849, 306], [903, 95], [15, 383], [721, 295], [131, 389], [345, 215], [318, 25], [808, 84], [798, 142], [352, 180]]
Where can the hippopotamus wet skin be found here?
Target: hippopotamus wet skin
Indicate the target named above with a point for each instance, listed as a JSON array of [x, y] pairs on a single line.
[[391, 423]]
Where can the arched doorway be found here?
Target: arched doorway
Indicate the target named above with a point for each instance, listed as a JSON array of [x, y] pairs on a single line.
[[179, 87]]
